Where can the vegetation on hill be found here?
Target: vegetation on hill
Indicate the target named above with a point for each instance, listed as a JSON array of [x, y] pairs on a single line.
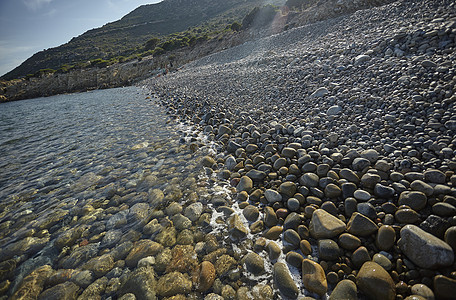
[[166, 25]]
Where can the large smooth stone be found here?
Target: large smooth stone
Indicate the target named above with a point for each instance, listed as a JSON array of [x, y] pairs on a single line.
[[272, 196], [386, 236], [254, 263], [323, 225], [425, 249], [415, 199], [313, 277], [375, 282], [344, 290], [245, 184], [360, 225], [444, 287], [284, 282]]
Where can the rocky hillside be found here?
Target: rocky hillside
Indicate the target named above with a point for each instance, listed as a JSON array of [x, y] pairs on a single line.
[[120, 37], [256, 24]]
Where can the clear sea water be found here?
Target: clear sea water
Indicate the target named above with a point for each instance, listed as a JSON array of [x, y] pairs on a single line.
[[84, 161]]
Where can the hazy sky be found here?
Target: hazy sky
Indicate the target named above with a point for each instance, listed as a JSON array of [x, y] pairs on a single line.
[[29, 26]]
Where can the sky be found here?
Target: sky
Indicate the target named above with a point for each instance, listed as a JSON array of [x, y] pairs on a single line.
[[29, 26]]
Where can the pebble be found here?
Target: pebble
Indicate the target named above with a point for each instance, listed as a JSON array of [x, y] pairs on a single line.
[[383, 191], [328, 249], [349, 241], [444, 209], [256, 175], [141, 283], [284, 282], [236, 228], [207, 161], [423, 291], [444, 287], [273, 250], [418, 185], [305, 247], [360, 225], [360, 256], [361, 59], [292, 237], [294, 259], [245, 184], [272, 196], [374, 281], [357, 156], [424, 249], [345, 289], [320, 92], [450, 237], [386, 236], [273, 233], [194, 211], [382, 261], [406, 216], [313, 277], [325, 225], [293, 204], [32, 285], [414, 199], [434, 176], [309, 180], [251, 213], [270, 217], [173, 283], [66, 290], [332, 191], [292, 221], [349, 175], [288, 188], [361, 195], [254, 263], [367, 210]]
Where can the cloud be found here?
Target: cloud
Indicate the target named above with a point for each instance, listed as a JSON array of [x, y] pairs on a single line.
[[36, 4]]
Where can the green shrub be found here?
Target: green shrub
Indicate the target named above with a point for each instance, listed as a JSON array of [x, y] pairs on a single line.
[[158, 51], [152, 43], [236, 26]]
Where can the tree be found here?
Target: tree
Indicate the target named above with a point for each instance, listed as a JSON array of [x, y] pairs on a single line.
[[236, 26], [152, 43]]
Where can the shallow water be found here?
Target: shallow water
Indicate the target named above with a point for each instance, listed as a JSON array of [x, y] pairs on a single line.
[[87, 162], [55, 140]]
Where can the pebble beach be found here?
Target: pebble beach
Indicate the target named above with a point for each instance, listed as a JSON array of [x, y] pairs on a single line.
[[336, 142], [317, 163]]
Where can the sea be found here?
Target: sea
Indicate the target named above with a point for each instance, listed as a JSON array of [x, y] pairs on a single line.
[[91, 171]]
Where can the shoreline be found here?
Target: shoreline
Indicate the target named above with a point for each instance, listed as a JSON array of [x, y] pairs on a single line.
[[330, 143]]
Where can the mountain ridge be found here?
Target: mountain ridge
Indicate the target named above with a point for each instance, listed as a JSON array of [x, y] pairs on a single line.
[[133, 30]]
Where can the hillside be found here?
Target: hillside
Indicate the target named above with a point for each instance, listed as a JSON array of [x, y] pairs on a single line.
[[120, 38], [59, 70]]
